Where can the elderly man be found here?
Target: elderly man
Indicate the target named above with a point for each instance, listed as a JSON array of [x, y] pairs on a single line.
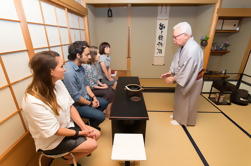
[[186, 71]]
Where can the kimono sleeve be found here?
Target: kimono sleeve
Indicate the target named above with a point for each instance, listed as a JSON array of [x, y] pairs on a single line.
[[187, 74]]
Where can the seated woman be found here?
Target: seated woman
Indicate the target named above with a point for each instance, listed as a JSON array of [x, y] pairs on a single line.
[[98, 88], [49, 113], [105, 63]]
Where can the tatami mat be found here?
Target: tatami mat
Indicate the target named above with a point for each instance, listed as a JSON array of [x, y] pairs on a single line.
[[239, 114], [159, 101], [167, 144], [221, 142], [154, 82], [164, 102], [102, 155]]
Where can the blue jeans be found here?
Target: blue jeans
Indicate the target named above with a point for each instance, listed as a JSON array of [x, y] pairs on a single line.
[[95, 115]]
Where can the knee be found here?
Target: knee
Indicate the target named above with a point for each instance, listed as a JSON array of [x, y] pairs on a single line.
[[92, 145], [103, 102], [101, 117], [97, 134]]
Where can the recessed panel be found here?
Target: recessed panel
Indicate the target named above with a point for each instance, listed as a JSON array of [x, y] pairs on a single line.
[[53, 35], [2, 78], [11, 131], [64, 35], [248, 66], [73, 20], [246, 87], [32, 14], [72, 33], [38, 35], [8, 10], [61, 17], [7, 103], [81, 23], [246, 79], [19, 89], [11, 36], [16, 65], [75, 35], [57, 49], [82, 35], [65, 52], [49, 13]]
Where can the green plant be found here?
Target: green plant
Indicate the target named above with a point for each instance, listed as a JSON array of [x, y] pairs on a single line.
[[204, 38]]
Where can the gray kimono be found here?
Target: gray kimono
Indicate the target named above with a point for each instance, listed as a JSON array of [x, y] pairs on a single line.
[[186, 65]]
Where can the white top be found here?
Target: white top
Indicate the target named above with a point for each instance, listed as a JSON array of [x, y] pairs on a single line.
[[128, 147], [42, 122]]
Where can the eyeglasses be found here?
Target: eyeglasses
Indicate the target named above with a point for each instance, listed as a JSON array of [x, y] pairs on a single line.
[[175, 37]]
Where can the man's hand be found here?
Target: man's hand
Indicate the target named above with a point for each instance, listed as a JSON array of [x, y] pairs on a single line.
[[168, 74], [95, 102], [104, 86], [170, 80], [111, 79]]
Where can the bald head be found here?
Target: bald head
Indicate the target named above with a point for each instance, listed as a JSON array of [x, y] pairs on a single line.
[[183, 27]]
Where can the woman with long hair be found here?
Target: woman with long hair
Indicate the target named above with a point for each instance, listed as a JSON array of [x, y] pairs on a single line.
[[49, 113]]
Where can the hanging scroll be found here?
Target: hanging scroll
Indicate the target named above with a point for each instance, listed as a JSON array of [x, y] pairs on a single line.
[[161, 34]]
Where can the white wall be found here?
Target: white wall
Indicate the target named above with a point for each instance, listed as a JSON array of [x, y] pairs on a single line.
[[114, 31], [143, 34]]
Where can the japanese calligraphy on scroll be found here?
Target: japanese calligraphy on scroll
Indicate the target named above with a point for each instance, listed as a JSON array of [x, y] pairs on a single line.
[[161, 34]]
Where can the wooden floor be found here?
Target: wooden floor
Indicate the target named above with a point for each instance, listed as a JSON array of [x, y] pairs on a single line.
[[220, 138]]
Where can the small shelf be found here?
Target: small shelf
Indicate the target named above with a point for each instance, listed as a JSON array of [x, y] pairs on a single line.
[[219, 53], [227, 31]]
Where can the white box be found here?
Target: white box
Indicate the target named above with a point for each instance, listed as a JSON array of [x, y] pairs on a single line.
[[128, 147], [230, 25]]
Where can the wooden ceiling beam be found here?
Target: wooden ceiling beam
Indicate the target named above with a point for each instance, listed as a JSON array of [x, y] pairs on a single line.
[[170, 2], [234, 12]]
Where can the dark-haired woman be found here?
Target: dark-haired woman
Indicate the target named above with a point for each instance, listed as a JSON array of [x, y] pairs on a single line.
[[105, 63], [49, 113]]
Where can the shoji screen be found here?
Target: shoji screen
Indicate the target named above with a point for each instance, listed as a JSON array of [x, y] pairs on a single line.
[[49, 27], [14, 75]]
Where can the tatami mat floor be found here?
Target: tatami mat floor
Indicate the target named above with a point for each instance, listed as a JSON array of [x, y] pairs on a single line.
[[240, 114], [214, 141], [164, 102], [154, 82]]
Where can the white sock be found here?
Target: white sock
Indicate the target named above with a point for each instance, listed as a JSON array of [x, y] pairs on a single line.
[[174, 122]]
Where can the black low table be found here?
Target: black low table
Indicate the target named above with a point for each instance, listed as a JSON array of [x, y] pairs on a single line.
[[128, 116]]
